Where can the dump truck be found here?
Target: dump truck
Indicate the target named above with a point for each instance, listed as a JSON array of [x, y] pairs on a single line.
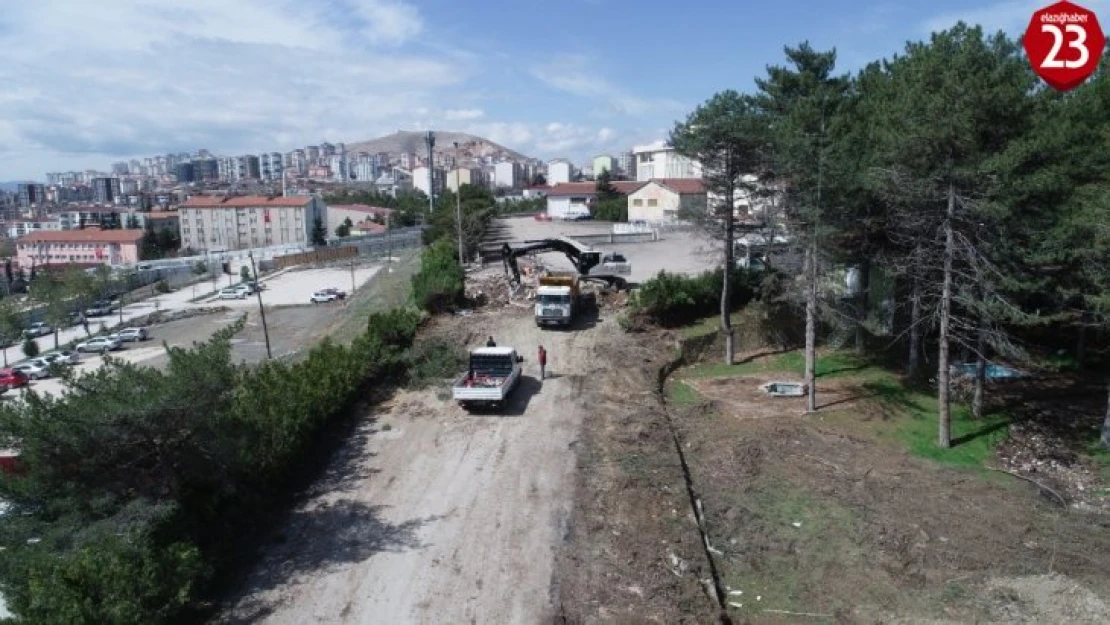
[[491, 377], [556, 299]]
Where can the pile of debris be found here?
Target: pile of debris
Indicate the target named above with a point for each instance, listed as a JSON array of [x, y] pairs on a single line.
[[1033, 451], [489, 286]]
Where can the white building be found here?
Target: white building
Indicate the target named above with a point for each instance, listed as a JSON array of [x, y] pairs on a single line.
[[559, 171], [362, 169], [240, 222], [659, 160], [569, 199], [421, 181], [604, 162], [666, 199], [508, 174]]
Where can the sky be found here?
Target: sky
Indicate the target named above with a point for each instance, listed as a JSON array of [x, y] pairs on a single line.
[[84, 84]]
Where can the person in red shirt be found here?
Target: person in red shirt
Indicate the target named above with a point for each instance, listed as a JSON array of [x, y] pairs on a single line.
[[542, 359]]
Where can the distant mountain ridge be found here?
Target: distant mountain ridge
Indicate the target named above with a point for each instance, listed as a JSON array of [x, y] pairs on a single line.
[[470, 146]]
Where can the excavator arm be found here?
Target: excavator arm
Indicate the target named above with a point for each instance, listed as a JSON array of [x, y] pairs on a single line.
[[582, 258]]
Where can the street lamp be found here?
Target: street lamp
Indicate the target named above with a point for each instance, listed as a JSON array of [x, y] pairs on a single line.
[[458, 203]]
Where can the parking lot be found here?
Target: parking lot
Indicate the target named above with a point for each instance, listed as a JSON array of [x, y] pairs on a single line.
[[675, 251], [295, 287]]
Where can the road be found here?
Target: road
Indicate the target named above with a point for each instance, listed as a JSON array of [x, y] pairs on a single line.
[[443, 517]]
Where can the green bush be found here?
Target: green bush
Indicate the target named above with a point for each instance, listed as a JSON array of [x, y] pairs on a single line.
[[612, 209], [672, 299], [30, 348], [162, 286], [439, 285]]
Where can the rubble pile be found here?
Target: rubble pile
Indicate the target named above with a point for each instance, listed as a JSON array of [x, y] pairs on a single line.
[[1035, 452]]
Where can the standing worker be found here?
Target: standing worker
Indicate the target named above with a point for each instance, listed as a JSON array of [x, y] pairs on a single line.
[[490, 342], [542, 359]]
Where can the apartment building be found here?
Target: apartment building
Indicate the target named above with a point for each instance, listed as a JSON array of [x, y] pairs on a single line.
[[106, 190], [559, 171], [22, 227], [659, 160], [463, 175], [31, 194], [271, 165], [508, 174], [604, 162], [87, 247], [241, 222]]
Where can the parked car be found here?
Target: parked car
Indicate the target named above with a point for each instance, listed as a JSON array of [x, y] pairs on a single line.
[[339, 293], [36, 369], [130, 335], [38, 329], [324, 297], [63, 357], [234, 293], [102, 308], [10, 378], [99, 344]]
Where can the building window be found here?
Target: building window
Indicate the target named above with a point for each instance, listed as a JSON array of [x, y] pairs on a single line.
[[637, 202], [652, 203]]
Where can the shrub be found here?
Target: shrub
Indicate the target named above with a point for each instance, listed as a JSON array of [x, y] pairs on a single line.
[[162, 286], [439, 285], [245, 273], [673, 300], [433, 360], [30, 348]]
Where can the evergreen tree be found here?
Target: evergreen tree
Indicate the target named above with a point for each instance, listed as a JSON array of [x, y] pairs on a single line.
[[319, 233]]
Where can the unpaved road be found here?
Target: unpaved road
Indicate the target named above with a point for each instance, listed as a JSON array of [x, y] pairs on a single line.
[[444, 517]]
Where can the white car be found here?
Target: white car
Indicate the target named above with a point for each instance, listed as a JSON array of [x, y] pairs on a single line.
[[64, 357], [234, 293], [99, 344], [130, 335], [36, 369], [324, 296]]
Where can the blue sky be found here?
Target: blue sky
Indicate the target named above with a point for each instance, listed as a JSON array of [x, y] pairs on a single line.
[[88, 83]]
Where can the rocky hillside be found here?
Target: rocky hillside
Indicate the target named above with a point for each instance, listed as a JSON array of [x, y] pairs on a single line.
[[470, 146]]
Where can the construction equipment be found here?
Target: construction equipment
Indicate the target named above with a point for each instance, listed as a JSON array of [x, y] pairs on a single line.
[[557, 299], [584, 260]]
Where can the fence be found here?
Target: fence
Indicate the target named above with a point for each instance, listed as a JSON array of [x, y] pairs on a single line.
[[315, 256], [612, 237]]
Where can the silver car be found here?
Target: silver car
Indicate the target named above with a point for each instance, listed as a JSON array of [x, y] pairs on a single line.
[[100, 344], [130, 335], [36, 369]]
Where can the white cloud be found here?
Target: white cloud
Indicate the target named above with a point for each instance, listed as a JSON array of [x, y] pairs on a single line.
[[1010, 16], [90, 82], [579, 75], [464, 114]]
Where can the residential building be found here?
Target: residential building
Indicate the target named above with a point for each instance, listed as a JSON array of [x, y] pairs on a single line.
[[420, 179], [393, 182], [186, 172], [568, 198], [241, 222], [357, 213], [270, 165], [607, 163], [31, 194], [85, 247], [659, 160], [362, 169], [626, 166], [21, 227], [206, 170], [559, 171], [105, 190], [665, 200], [120, 168], [312, 153], [463, 175], [319, 172], [508, 174], [159, 220], [407, 161], [337, 163]]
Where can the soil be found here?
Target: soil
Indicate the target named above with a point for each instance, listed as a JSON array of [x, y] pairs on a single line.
[[430, 514], [819, 515]]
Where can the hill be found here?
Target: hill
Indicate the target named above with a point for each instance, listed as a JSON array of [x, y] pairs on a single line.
[[470, 146]]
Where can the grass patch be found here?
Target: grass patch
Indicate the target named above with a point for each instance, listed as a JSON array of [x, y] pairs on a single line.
[[805, 535], [385, 291], [973, 441], [709, 325], [680, 393], [831, 364]]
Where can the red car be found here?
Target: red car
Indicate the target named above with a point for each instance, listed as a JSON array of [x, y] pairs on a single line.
[[10, 378], [543, 217]]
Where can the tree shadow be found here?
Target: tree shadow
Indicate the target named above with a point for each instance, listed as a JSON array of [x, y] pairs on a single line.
[[763, 353], [983, 431], [845, 369], [317, 541]]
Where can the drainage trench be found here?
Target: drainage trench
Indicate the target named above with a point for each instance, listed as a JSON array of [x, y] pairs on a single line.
[[695, 502]]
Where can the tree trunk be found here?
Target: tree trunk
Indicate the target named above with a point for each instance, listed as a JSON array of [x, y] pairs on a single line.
[[726, 288], [980, 371], [944, 434], [811, 327], [1081, 342], [1105, 440], [863, 304], [914, 365], [55, 338]]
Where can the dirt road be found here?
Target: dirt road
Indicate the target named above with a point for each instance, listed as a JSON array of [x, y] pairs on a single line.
[[429, 514]]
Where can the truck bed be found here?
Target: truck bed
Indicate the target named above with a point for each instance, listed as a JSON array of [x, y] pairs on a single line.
[[481, 388]]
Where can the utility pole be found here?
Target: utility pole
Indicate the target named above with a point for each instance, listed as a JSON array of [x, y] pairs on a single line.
[[430, 141], [458, 203], [389, 240], [261, 309]]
